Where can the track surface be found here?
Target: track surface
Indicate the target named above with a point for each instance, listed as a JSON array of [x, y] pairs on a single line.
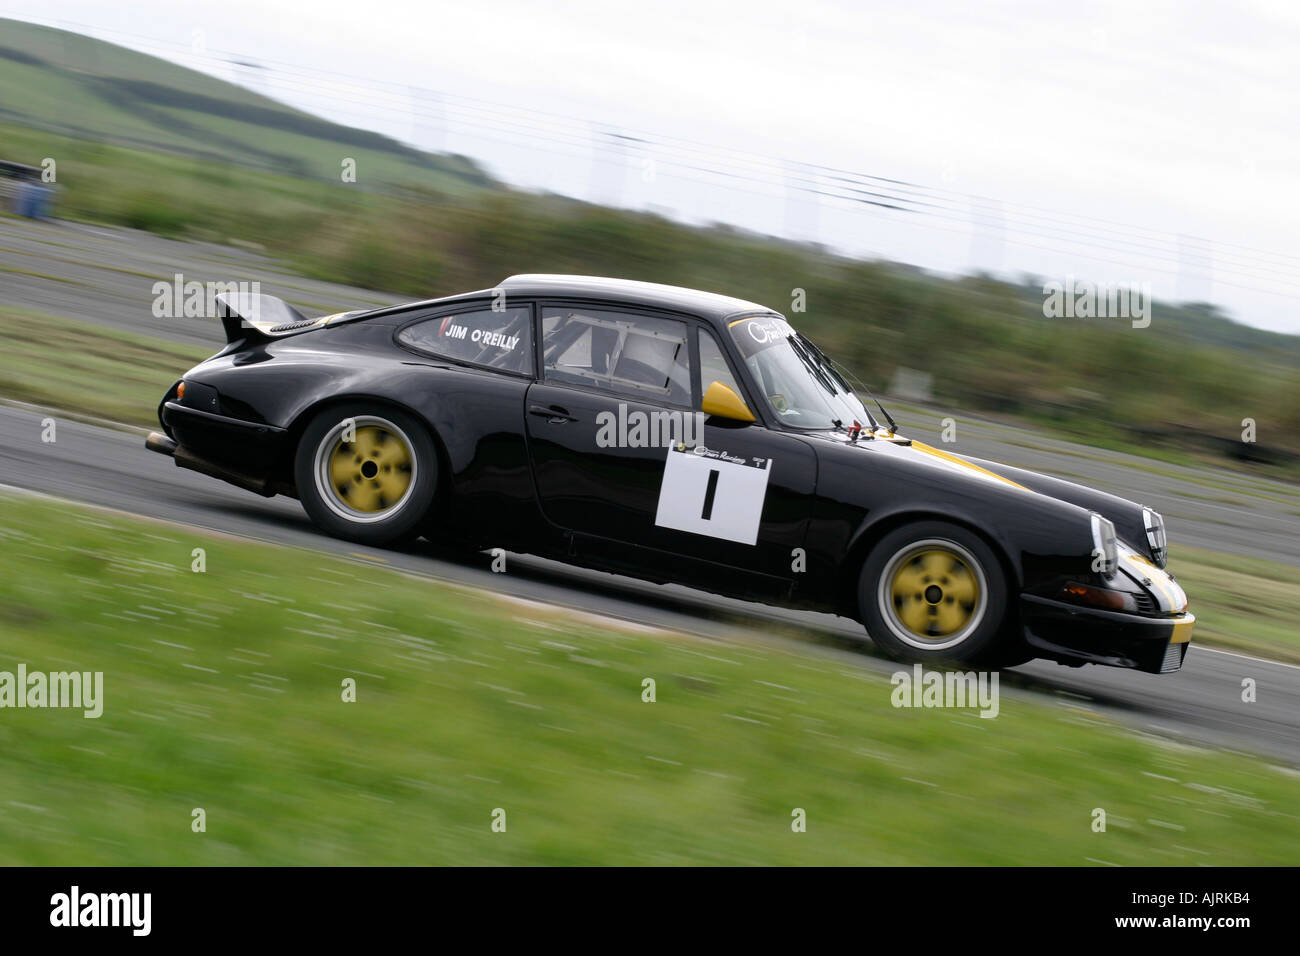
[[110, 467], [102, 275]]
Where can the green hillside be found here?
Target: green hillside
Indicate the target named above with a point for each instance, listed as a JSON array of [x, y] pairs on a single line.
[[85, 88]]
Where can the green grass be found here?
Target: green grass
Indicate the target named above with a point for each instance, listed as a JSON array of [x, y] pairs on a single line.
[[88, 369], [1243, 604], [180, 195], [222, 691]]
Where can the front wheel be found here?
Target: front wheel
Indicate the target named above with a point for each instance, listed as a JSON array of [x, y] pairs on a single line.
[[933, 591], [366, 473]]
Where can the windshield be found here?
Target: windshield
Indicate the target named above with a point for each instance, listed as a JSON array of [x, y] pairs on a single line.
[[800, 385]]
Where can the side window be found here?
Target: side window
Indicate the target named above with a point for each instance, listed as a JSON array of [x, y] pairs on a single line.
[[713, 365], [498, 339], [634, 355]]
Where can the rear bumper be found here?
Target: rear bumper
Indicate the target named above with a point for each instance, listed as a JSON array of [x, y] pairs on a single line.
[[1075, 634], [249, 447]]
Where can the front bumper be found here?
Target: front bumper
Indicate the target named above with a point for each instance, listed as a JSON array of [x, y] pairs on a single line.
[[1074, 635]]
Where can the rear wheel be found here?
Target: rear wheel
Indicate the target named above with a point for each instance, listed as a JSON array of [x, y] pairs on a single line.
[[934, 591], [366, 473]]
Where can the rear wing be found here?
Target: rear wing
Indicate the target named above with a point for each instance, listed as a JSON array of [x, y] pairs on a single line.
[[254, 317]]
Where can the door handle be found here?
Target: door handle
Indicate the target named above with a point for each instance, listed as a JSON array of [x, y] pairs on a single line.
[[554, 413]]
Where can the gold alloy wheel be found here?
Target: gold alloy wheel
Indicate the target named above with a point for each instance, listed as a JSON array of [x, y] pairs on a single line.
[[365, 472], [933, 594]]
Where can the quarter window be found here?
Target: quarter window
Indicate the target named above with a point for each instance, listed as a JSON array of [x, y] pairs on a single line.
[[713, 365], [634, 355], [497, 339]]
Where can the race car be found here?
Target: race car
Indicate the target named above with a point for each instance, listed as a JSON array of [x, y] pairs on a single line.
[[676, 436]]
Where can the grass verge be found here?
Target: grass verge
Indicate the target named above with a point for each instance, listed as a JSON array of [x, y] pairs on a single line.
[[222, 691], [88, 369], [1241, 604]]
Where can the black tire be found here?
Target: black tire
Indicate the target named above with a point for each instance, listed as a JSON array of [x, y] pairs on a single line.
[[356, 490], [932, 591]]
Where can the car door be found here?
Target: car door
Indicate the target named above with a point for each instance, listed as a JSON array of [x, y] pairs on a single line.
[[624, 458], [480, 359]]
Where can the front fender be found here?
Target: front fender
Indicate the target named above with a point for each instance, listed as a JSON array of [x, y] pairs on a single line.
[[1126, 515], [865, 492]]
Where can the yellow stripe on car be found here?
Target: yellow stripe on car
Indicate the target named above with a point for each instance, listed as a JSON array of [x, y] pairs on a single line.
[[953, 459]]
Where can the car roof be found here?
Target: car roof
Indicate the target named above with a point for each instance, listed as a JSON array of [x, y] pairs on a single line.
[[710, 305]]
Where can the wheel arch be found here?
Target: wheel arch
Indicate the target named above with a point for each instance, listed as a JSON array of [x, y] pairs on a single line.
[[305, 415], [870, 533]]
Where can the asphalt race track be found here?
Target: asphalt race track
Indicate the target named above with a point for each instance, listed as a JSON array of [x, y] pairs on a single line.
[[106, 276], [110, 467]]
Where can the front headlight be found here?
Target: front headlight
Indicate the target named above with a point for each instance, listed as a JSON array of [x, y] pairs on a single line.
[[1156, 539], [1105, 559]]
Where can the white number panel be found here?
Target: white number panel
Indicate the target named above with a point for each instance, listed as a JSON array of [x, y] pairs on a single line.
[[711, 493]]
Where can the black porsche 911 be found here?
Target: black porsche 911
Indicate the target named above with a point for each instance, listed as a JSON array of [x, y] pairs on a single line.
[[677, 436]]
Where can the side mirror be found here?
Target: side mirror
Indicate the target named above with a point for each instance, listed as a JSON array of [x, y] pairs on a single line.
[[722, 401]]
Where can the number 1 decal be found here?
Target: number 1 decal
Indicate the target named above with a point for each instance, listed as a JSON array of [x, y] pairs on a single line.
[[712, 493]]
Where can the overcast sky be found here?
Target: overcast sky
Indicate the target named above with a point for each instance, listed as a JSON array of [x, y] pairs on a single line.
[[1121, 142]]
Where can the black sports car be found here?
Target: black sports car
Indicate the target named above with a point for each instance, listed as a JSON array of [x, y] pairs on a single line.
[[678, 436]]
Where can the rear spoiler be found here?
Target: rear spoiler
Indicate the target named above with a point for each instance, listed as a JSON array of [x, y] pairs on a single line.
[[254, 317]]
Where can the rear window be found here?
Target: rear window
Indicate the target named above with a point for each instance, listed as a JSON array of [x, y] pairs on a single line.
[[499, 339]]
